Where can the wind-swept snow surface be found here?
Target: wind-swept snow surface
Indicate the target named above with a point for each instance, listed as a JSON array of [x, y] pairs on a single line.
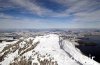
[[45, 50]]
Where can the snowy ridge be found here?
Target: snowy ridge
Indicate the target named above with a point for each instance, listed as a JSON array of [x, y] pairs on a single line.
[[43, 50]]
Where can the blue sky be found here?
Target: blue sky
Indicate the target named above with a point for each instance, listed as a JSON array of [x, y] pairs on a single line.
[[49, 14]]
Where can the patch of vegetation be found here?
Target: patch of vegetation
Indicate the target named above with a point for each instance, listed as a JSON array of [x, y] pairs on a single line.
[[23, 61], [10, 48], [11, 45], [28, 49], [47, 62]]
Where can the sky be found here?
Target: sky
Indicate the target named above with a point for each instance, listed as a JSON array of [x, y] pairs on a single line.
[[40, 14]]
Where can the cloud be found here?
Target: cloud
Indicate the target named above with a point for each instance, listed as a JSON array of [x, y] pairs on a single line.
[[88, 17], [31, 6], [77, 13], [11, 23], [71, 6], [19, 23], [84, 6], [79, 5], [5, 4], [29, 23], [3, 16]]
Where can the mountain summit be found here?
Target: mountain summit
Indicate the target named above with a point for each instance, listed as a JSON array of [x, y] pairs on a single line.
[[42, 50]]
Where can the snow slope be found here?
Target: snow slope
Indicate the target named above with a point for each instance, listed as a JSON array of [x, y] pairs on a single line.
[[47, 49]]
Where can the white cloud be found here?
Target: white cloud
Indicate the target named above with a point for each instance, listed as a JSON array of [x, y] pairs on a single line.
[[5, 16], [31, 6], [84, 14], [88, 17], [26, 23]]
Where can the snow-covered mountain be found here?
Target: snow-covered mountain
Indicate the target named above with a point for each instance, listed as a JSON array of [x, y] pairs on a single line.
[[42, 50]]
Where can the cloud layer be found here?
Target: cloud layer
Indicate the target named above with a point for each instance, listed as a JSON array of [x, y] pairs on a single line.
[[74, 13]]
